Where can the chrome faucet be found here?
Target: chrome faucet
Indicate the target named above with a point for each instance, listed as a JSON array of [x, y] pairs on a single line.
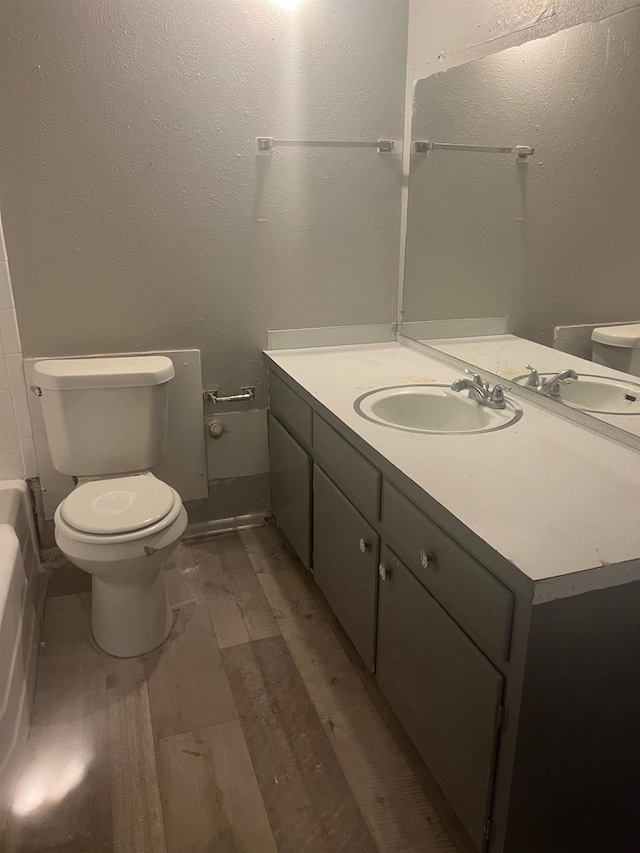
[[481, 391], [551, 386]]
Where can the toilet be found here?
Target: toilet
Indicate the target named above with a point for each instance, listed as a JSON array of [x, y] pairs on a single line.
[[617, 347], [106, 425]]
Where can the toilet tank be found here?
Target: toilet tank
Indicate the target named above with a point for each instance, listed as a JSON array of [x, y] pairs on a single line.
[[617, 347], [105, 415]]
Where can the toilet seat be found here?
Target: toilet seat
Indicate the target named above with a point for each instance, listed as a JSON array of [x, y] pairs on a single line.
[[119, 509], [117, 505]]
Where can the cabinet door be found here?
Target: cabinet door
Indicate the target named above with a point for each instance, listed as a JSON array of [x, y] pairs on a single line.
[[443, 689], [478, 602], [345, 563], [290, 484]]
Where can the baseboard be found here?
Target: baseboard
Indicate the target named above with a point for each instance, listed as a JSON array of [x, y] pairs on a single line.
[[215, 527]]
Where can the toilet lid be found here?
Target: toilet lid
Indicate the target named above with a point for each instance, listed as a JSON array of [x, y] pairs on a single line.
[[627, 335], [117, 506]]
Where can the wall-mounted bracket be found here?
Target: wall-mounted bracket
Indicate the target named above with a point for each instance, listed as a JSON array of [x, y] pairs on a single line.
[[522, 152], [247, 394], [266, 144]]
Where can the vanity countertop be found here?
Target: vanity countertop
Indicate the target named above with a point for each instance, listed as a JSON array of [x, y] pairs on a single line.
[[507, 355], [558, 501]]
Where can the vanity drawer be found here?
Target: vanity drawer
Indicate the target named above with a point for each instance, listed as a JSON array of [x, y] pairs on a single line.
[[480, 604], [357, 478], [290, 409]]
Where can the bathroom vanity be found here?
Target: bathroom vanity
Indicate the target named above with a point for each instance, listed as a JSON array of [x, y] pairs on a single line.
[[490, 580]]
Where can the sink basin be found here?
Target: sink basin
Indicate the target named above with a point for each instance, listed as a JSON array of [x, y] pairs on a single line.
[[598, 394], [432, 409]]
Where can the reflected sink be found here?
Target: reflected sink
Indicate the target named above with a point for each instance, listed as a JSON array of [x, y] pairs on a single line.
[[432, 409], [598, 394]]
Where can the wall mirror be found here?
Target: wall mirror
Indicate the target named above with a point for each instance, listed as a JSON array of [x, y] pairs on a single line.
[[512, 257]]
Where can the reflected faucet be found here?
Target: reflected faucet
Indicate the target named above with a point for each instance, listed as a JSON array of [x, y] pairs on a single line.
[[481, 391], [551, 387]]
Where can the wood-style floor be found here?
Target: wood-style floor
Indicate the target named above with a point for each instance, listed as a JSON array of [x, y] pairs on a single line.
[[253, 729]]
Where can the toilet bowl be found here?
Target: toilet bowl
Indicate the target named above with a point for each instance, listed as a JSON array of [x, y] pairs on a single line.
[[120, 531], [106, 423]]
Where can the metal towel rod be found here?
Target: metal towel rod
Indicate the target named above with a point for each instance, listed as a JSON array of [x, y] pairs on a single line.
[[521, 151], [266, 144], [247, 393]]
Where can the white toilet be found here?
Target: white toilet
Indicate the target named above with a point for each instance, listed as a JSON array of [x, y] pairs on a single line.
[[106, 423], [617, 347]]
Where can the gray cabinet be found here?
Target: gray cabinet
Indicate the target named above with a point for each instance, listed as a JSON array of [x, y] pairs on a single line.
[[291, 489], [445, 692], [460, 645], [345, 563], [478, 602]]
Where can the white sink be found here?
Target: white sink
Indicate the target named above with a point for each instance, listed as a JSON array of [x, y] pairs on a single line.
[[598, 394], [432, 409]]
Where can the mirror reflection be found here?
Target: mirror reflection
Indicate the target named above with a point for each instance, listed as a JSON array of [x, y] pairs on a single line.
[[523, 236]]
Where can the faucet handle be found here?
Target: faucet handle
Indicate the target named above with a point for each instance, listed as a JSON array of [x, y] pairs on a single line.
[[497, 395], [534, 377], [477, 379]]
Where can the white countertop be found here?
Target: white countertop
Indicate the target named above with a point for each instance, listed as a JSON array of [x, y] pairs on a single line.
[[558, 501], [506, 355]]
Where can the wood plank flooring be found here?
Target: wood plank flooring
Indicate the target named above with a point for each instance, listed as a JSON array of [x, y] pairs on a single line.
[[308, 798], [253, 729]]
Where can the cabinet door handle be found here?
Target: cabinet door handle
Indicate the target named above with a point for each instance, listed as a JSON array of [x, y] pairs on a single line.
[[384, 572], [426, 560], [363, 545]]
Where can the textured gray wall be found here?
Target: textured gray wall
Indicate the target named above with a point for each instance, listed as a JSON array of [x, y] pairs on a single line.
[[444, 33], [136, 213], [553, 242]]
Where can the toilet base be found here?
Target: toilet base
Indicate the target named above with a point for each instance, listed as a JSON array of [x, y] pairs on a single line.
[[130, 619], [130, 610]]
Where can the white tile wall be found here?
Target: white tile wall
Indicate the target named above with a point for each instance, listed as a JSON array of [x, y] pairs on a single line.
[[6, 296], [17, 456], [9, 331]]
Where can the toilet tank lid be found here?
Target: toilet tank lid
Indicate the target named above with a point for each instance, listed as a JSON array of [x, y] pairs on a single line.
[[114, 372], [618, 336]]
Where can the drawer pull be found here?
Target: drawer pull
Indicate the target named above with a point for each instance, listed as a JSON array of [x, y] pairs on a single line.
[[426, 560], [384, 572], [363, 545]]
